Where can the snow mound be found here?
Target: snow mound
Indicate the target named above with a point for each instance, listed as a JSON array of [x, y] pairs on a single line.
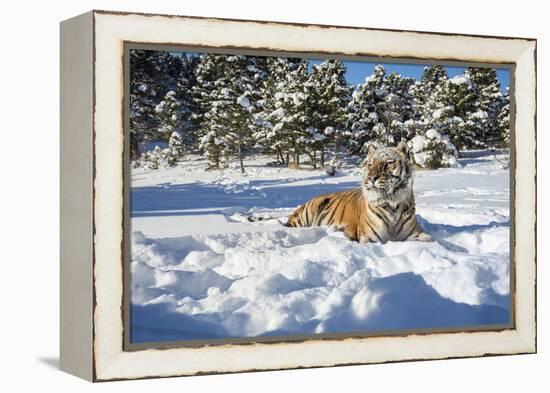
[[315, 280]]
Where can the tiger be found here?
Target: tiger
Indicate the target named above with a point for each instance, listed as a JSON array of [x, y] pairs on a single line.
[[382, 209]]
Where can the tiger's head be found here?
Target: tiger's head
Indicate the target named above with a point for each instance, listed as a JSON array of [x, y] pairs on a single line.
[[387, 175]]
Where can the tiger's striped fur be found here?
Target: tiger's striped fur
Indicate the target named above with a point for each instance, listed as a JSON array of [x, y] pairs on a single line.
[[381, 210]]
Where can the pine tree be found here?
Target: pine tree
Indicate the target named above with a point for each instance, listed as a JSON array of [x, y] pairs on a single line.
[[448, 107], [157, 158], [380, 108], [189, 121], [175, 113], [169, 114], [432, 150], [315, 138], [245, 80], [328, 96], [207, 94], [176, 146], [293, 102], [458, 117], [228, 87], [504, 120], [397, 108], [433, 79], [363, 120], [283, 115], [269, 133], [430, 111], [152, 75], [488, 102]]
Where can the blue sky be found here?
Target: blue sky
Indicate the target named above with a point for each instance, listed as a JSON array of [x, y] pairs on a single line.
[[358, 70]]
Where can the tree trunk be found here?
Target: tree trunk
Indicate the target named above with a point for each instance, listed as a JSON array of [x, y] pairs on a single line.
[[323, 157], [214, 161], [134, 148], [241, 163], [280, 156], [314, 159], [240, 150]]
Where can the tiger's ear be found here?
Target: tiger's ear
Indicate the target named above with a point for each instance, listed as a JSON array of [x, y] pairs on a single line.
[[403, 147]]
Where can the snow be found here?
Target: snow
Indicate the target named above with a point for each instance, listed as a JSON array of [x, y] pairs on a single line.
[[243, 101], [480, 115], [201, 270], [318, 137], [417, 143], [421, 153], [432, 134], [460, 79]]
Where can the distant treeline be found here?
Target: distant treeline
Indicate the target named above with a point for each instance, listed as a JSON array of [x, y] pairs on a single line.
[[227, 106]]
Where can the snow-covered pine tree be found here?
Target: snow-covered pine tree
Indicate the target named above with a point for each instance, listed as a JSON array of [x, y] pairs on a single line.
[[442, 118], [428, 102], [433, 79], [328, 96], [226, 92], [245, 78], [257, 71], [268, 134], [158, 158], [208, 95], [458, 117], [189, 119], [168, 113], [152, 75], [176, 112], [315, 139], [362, 110], [504, 120], [397, 108], [433, 150], [176, 146], [293, 103], [237, 109], [447, 106], [488, 102], [283, 109], [379, 109]]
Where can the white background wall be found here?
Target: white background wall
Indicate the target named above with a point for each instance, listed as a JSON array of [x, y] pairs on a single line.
[[29, 194]]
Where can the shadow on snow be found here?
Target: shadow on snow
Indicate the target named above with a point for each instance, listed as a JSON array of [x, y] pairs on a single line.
[[155, 201]]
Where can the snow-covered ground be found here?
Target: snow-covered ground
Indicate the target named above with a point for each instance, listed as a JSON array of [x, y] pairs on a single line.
[[200, 270]]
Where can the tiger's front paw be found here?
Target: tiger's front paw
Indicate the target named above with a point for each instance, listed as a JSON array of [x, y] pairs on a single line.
[[364, 240], [421, 237]]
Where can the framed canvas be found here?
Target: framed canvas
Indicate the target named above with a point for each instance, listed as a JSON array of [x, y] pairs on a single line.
[[248, 195]]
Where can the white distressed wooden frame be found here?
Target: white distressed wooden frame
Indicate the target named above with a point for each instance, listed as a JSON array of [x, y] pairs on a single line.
[[92, 91]]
